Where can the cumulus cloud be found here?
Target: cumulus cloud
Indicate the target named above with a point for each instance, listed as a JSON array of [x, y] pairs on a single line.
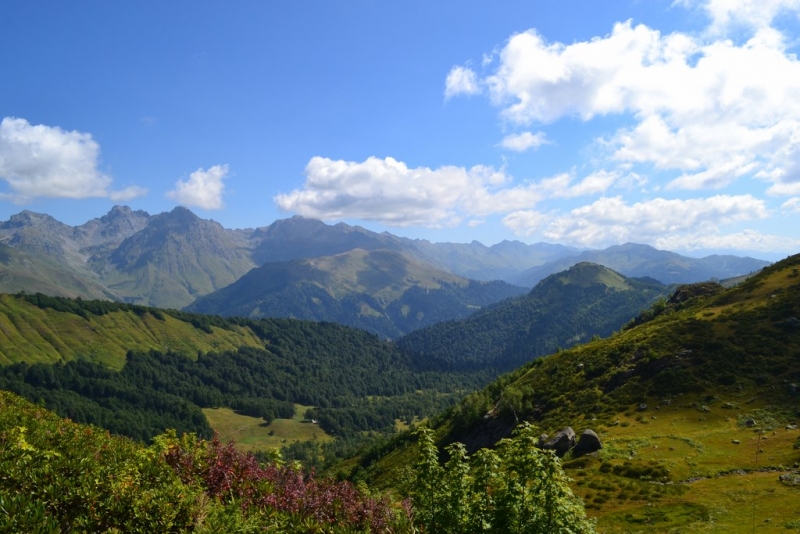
[[203, 189], [389, 191], [612, 220], [523, 141], [524, 222], [728, 14], [461, 81], [706, 106], [127, 194], [785, 181], [46, 161]]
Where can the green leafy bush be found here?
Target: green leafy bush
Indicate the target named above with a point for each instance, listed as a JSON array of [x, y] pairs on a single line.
[[517, 488]]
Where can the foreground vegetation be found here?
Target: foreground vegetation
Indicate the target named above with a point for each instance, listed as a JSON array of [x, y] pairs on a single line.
[[58, 476]]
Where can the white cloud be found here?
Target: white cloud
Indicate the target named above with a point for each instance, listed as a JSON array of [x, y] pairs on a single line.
[[524, 222], [523, 141], [793, 205], [750, 240], [728, 14], [203, 189], [611, 220], [597, 182], [46, 161], [461, 81], [389, 191], [712, 109], [786, 180], [128, 193]]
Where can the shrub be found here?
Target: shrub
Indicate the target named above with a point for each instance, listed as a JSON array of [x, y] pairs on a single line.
[[513, 489]]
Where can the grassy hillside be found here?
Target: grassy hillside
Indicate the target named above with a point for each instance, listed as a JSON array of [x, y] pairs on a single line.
[[697, 407], [253, 434], [32, 334]]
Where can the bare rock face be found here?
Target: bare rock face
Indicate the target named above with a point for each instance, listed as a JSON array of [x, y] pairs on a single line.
[[588, 443], [561, 442]]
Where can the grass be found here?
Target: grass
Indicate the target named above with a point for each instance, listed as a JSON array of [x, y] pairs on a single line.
[[712, 483], [400, 425], [253, 434], [30, 334], [754, 502]]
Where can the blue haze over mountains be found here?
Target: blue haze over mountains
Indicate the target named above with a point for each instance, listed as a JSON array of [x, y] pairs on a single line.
[[174, 258]]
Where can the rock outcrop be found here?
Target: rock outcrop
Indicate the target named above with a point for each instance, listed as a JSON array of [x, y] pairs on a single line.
[[588, 443]]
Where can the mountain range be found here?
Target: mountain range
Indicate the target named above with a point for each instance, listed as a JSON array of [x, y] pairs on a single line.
[[173, 258], [636, 260], [381, 291]]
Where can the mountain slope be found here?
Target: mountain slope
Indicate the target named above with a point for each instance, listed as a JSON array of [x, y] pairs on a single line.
[[173, 260], [696, 407], [378, 290], [299, 238], [37, 233], [20, 271], [636, 260], [35, 328], [562, 310]]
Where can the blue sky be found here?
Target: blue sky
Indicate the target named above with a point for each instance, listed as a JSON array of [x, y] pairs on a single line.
[[675, 124]]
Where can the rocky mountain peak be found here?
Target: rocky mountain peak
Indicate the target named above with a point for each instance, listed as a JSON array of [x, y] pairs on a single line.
[[119, 223], [28, 218]]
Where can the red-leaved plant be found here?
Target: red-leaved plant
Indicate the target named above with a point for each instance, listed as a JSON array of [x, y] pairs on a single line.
[[228, 474]]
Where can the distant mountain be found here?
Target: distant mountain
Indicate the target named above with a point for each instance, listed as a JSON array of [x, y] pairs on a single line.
[[381, 291], [170, 259], [298, 238], [636, 260], [163, 260], [41, 234], [21, 271], [107, 232], [174, 259], [564, 309]]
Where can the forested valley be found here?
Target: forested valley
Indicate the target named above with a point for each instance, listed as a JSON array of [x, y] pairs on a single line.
[[355, 382]]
